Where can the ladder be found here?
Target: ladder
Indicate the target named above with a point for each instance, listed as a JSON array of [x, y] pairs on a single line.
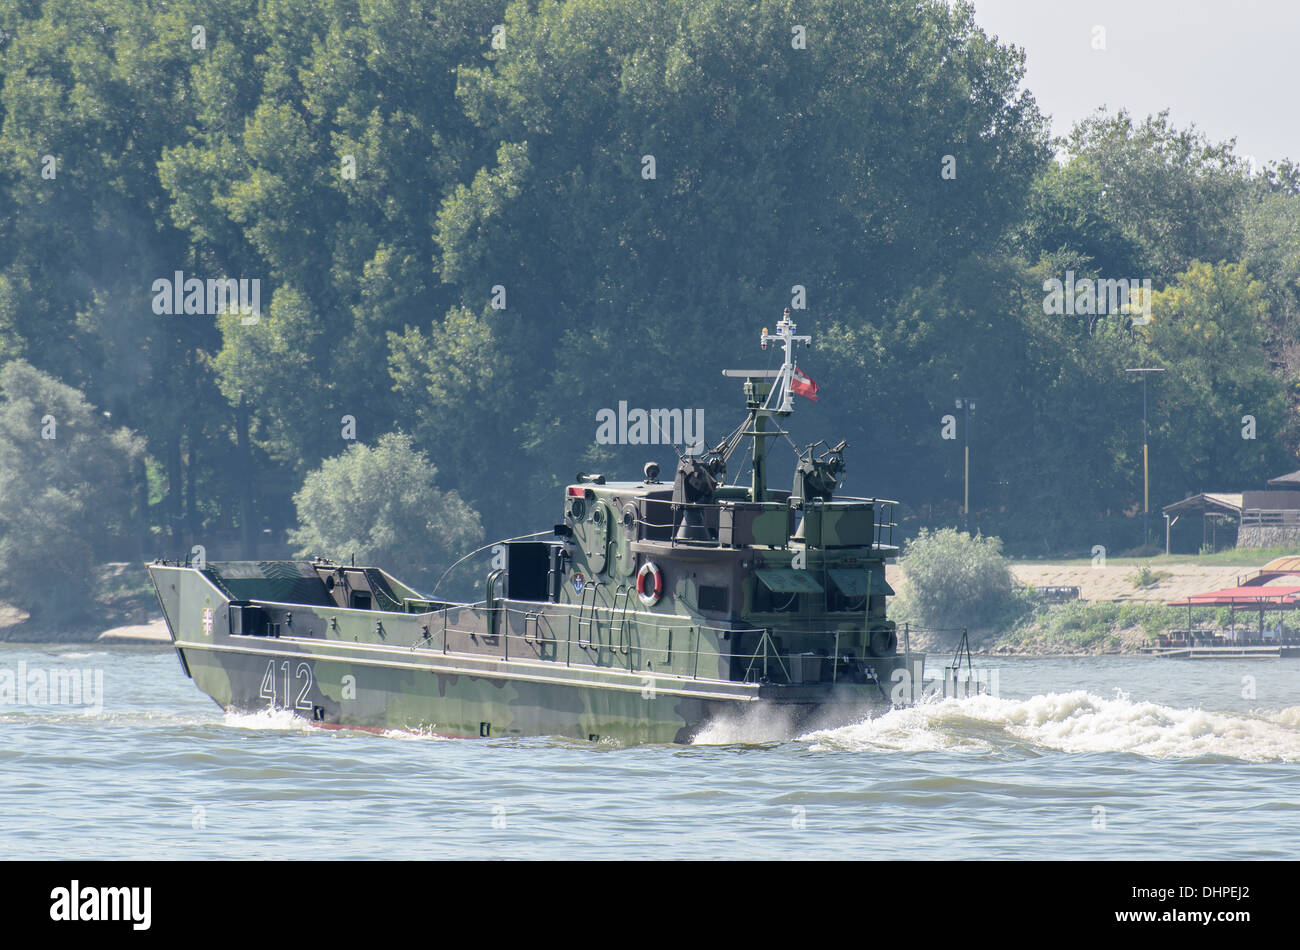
[[623, 643], [587, 623]]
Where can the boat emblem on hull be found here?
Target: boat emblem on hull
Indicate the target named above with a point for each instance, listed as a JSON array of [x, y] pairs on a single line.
[[578, 581], [207, 621]]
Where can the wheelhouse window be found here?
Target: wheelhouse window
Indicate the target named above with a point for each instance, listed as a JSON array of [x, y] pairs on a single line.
[[774, 602], [781, 590], [848, 590]]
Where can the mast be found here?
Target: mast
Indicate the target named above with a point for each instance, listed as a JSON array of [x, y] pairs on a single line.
[[768, 395], [784, 335]]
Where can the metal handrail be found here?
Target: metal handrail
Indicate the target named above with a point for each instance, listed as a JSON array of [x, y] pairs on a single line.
[[766, 649], [882, 516], [615, 613], [504, 605], [498, 629]]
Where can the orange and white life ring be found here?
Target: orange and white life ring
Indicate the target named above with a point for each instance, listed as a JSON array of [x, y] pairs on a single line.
[[652, 591]]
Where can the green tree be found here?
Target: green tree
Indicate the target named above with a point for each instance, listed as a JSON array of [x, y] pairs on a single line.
[[65, 493], [1068, 226], [319, 164], [1209, 328], [775, 164], [1170, 191], [955, 580], [382, 504], [1273, 255], [93, 94]]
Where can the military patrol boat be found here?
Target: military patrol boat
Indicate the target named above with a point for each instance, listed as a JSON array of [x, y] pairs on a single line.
[[652, 610]]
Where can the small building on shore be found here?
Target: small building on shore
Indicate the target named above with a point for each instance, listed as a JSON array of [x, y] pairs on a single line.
[[1267, 518], [1265, 600]]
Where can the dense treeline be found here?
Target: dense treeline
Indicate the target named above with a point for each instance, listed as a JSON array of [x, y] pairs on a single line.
[[477, 224]]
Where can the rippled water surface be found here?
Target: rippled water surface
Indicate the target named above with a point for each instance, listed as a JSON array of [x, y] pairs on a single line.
[[1109, 757]]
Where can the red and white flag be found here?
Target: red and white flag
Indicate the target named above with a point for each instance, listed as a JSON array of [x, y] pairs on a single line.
[[802, 384]]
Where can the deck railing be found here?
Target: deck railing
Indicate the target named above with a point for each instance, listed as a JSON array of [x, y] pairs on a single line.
[[556, 639], [760, 664], [546, 644], [882, 516]]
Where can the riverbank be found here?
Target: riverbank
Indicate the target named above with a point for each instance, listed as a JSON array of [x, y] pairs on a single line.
[[1120, 607], [1083, 628], [121, 606]]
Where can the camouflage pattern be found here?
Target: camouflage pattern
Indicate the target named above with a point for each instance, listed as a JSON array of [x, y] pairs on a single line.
[[659, 608], [598, 663], [439, 672]]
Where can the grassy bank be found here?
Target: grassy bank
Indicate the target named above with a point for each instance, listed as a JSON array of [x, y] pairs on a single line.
[[1088, 627]]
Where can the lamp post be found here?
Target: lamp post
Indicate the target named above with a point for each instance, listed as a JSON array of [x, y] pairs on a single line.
[[1146, 481], [969, 406]]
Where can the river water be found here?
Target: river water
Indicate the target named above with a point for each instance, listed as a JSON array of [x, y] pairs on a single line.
[[1091, 758]]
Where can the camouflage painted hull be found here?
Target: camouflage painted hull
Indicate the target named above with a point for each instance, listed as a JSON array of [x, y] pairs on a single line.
[[395, 670], [655, 609]]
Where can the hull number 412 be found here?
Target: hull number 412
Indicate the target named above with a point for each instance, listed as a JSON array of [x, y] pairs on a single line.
[[282, 699]]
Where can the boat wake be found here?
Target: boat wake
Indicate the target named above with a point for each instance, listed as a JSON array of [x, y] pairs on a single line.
[[759, 724], [284, 720], [1077, 722], [425, 733]]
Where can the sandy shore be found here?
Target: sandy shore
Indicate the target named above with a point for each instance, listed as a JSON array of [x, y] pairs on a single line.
[[1115, 583], [153, 632]]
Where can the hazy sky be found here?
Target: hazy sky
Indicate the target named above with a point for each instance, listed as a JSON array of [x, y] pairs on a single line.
[[1229, 66]]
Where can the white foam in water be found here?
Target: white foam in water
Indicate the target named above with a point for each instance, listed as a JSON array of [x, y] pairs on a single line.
[[423, 732], [287, 721], [282, 719], [1289, 717], [757, 724], [1076, 721]]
